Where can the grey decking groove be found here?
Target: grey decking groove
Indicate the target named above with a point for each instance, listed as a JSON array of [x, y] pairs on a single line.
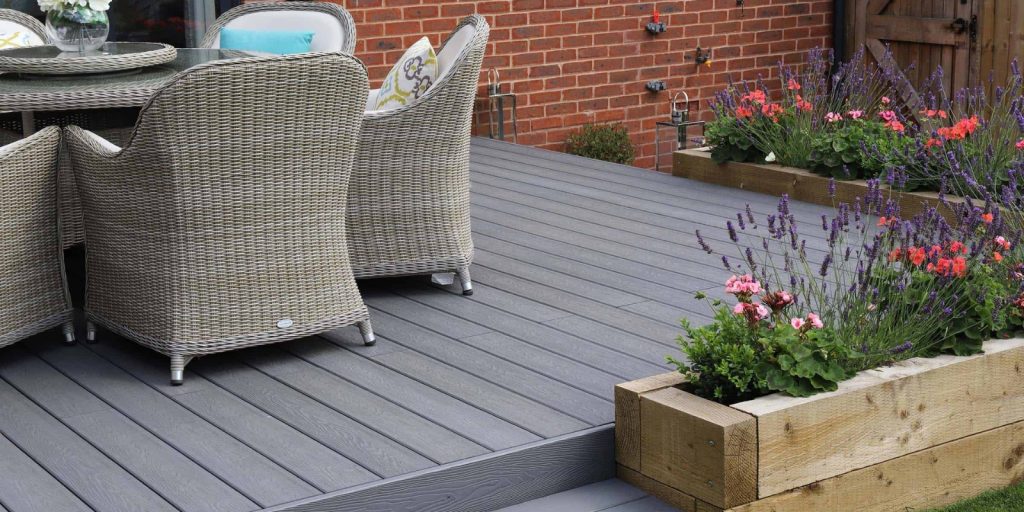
[[264, 482], [304, 456], [26, 484], [582, 271], [514, 350]]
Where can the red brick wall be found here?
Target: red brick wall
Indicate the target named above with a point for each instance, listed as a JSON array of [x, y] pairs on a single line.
[[583, 61]]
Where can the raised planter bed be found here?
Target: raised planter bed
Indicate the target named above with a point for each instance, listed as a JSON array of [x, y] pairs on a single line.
[[921, 433], [799, 184]]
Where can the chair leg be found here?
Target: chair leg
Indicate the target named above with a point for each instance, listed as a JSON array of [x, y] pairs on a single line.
[[467, 283], [90, 333], [369, 339], [178, 363], [69, 332]]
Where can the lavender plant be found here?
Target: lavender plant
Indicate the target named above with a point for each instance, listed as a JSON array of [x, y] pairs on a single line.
[[888, 288]]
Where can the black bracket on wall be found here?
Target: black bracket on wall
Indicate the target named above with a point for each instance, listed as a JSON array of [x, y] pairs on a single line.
[[655, 85]]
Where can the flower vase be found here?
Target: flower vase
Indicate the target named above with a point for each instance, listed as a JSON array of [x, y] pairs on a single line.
[[77, 29]]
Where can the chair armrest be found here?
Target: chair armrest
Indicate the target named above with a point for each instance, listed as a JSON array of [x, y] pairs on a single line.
[[92, 142]]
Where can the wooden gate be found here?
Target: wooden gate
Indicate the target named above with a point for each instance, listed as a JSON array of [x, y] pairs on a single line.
[[921, 35], [972, 40]]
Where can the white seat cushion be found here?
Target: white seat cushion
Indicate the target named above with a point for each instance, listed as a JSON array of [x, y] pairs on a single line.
[[329, 32], [410, 78], [16, 35], [453, 48]]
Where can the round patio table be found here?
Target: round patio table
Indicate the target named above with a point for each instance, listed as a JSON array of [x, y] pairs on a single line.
[[98, 91], [105, 103]]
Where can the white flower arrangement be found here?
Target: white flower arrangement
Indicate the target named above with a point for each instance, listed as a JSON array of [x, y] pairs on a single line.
[[64, 5]]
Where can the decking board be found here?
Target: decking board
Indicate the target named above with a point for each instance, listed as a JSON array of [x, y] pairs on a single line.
[[582, 270]]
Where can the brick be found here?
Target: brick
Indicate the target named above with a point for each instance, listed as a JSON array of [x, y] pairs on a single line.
[[586, 61]]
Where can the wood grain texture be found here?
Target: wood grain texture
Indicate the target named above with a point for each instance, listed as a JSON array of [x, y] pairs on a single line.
[[26, 486], [484, 483], [627, 415], [86, 471], [922, 480], [698, 446], [885, 413], [670, 495], [799, 184]]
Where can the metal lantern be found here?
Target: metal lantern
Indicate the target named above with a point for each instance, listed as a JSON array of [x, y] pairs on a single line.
[[496, 107], [679, 119]]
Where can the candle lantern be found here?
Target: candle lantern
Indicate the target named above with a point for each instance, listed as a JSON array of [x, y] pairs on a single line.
[[679, 121], [496, 107]]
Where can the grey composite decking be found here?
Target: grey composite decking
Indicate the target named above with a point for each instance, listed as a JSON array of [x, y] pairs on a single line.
[[581, 273]]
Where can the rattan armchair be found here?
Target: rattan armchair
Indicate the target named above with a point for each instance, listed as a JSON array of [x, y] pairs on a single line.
[[221, 223], [33, 292], [408, 204], [11, 128], [333, 26]]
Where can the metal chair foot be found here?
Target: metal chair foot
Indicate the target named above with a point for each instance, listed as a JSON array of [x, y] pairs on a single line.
[[69, 333], [369, 339], [464, 279], [178, 363], [90, 333]]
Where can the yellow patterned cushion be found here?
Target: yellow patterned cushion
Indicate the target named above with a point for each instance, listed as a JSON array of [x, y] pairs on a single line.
[[19, 39], [412, 75]]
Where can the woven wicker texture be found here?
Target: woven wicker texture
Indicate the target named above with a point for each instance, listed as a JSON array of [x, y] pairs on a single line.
[[33, 292], [24, 20], [10, 122], [344, 18], [220, 224], [89, 63], [409, 198]]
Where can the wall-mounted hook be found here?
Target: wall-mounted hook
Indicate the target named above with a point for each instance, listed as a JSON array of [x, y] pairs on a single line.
[[656, 26], [702, 56], [655, 85]]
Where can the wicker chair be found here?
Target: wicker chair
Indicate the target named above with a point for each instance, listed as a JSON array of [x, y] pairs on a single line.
[[33, 293], [333, 25], [11, 128], [408, 203], [221, 223]]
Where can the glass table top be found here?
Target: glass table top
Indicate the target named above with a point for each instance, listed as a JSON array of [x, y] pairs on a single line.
[[52, 52], [25, 92]]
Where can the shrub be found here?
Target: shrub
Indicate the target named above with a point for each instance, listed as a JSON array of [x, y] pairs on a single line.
[[729, 140], [883, 291], [608, 142]]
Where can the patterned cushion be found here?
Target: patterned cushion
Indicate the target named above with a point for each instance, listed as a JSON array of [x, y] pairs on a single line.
[[412, 75], [19, 39]]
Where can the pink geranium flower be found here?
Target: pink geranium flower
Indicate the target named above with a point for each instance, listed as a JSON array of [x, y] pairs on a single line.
[[742, 285], [1020, 144], [815, 321], [832, 117], [797, 323], [886, 100], [855, 114]]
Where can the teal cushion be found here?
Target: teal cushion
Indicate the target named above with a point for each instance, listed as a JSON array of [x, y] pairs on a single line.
[[278, 42]]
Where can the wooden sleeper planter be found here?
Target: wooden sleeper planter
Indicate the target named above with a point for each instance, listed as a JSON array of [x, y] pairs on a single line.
[[799, 184], [921, 433]]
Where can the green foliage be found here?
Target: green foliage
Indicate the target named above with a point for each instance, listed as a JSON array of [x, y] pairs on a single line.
[[730, 141], [723, 357], [1010, 499], [731, 360], [840, 152], [608, 142], [803, 364]]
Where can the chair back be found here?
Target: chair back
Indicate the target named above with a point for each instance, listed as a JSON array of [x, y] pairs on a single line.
[[32, 291], [332, 25], [231, 190], [18, 29]]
